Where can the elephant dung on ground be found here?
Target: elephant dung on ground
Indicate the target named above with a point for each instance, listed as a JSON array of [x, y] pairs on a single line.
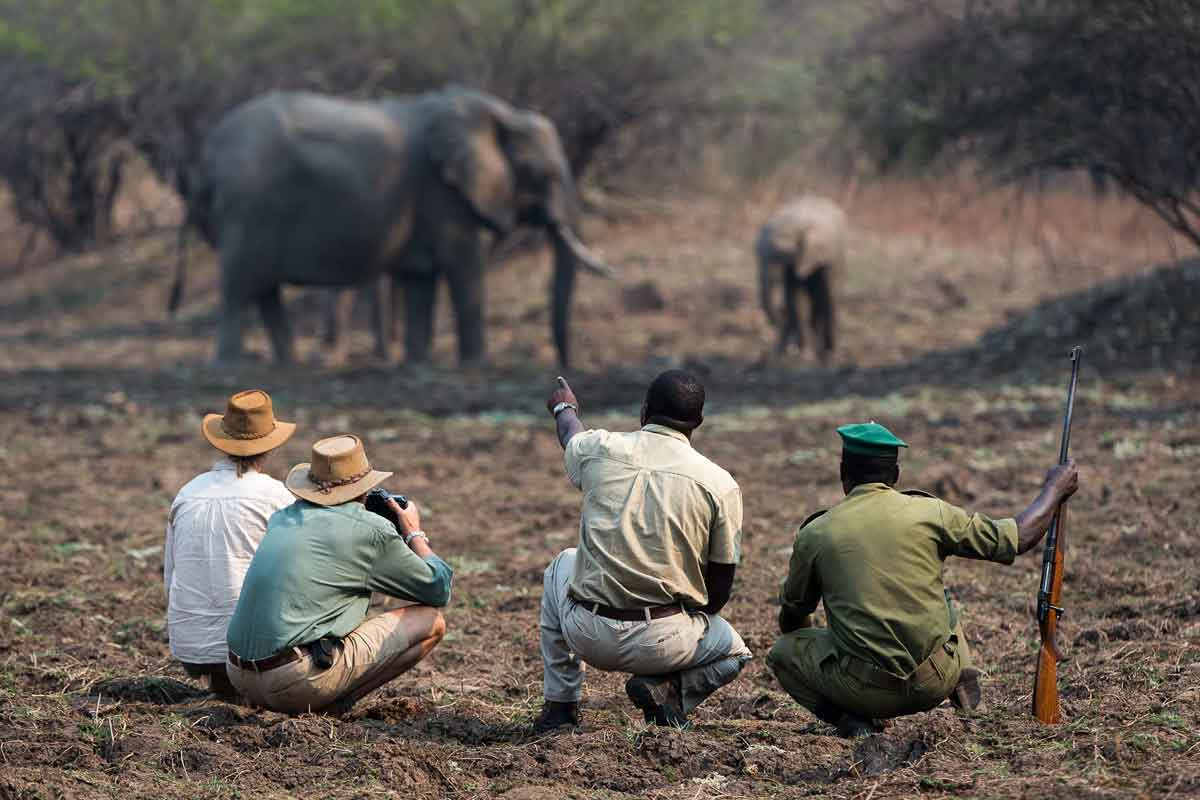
[[300, 188], [803, 247]]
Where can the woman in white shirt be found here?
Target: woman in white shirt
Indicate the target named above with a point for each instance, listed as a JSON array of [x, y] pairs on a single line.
[[215, 525]]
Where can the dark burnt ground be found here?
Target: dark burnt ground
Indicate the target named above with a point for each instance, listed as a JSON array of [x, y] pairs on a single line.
[[101, 401]]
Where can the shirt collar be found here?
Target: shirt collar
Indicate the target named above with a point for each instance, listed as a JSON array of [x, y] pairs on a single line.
[[663, 430], [225, 464], [869, 488]]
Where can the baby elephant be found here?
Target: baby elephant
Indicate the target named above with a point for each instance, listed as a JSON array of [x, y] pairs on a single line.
[[804, 243]]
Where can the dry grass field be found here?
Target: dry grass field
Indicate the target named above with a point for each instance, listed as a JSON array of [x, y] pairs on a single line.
[[955, 318]]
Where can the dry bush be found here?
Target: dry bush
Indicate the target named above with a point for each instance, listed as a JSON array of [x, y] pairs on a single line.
[[1028, 88]]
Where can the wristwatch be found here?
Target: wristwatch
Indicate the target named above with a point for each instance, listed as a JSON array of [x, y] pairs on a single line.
[[564, 405], [408, 537]]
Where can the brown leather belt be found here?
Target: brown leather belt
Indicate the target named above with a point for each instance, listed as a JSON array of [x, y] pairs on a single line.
[[937, 664], [631, 614], [268, 663]]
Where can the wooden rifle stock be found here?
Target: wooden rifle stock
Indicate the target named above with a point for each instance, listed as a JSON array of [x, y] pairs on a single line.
[[1045, 683]]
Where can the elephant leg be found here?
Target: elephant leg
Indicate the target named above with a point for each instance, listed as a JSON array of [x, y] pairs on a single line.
[[465, 276], [229, 330], [270, 305], [397, 294], [420, 306], [791, 315], [821, 295], [330, 328], [376, 294]]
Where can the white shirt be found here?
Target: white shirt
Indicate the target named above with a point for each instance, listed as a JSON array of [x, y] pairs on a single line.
[[215, 525]]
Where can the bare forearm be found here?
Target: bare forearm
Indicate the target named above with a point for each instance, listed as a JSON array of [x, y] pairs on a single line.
[[1033, 522], [718, 579], [1061, 482], [568, 424], [420, 547]]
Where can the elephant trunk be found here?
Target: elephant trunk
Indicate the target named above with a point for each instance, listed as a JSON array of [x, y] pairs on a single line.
[[561, 292], [569, 255]]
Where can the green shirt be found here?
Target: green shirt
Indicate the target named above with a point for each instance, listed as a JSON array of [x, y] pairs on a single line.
[[313, 574], [875, 560]]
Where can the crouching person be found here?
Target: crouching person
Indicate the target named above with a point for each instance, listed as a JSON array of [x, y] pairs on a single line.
[[895, 643], [215, 525], [658, 544], [299, 640]]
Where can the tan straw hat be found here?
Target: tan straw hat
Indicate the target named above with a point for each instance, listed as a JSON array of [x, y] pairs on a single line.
[[248, 426], [339, 472]]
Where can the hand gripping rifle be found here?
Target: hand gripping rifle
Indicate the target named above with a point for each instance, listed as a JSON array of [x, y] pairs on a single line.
[[1049, 608]]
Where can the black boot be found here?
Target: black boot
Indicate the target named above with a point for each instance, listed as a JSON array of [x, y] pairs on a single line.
[[660, 700], [556, 715], [852, 726]]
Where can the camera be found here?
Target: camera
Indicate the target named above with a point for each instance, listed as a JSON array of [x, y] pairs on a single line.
[[377, 502]]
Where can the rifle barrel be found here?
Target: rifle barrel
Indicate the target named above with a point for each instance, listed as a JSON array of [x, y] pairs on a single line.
[[1076, 353]]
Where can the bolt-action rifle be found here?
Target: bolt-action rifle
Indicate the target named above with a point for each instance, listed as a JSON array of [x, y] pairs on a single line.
[[1049, 606]]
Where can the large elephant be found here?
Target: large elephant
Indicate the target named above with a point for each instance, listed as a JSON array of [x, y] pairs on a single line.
[[300, 188], [802, 246]]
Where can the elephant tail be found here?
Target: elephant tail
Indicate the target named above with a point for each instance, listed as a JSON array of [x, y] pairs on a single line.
[[198, 197]]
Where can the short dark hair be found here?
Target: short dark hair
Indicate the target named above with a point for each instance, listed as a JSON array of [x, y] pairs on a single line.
[[676, 399], [858, 469]]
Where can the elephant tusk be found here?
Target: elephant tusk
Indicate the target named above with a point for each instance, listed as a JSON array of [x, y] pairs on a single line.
[[586, 258]]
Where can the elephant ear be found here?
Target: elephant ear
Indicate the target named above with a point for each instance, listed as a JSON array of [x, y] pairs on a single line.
[[465, 148]]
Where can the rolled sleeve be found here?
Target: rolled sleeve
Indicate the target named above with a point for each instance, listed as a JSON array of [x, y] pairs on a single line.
[[725, 537], [399, 572], [801, 591], [578, 450], [971, 535]]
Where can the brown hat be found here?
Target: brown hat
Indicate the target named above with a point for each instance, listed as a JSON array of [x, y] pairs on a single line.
[[248, 426], [339, 472]]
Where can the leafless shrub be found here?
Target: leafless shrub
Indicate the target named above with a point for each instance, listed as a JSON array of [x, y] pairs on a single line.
[[1029, 88]]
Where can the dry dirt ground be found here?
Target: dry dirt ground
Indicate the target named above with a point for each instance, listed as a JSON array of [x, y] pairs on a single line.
[[954, 335]]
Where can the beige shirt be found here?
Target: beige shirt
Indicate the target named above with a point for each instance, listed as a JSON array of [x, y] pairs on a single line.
[[655, 513]]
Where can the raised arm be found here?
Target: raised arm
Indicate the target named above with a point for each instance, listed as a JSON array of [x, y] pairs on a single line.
[[1061, 482], [399, 572], [566, 418]]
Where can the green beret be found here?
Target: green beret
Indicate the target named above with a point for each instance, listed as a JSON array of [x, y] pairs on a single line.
[[869, 439]]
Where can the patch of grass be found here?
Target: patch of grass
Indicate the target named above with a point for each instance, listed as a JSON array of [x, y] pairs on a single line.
[[465, 566], [68, 549], [1167, 719]]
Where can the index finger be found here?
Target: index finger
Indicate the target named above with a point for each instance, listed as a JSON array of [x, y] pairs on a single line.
[[562, 382]]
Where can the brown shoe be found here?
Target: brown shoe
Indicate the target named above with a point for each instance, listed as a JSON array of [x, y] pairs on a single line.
[[659, 699], [556, 715], [968, 694]]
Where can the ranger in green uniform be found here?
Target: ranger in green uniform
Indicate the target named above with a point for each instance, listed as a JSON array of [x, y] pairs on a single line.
[[894, 644]]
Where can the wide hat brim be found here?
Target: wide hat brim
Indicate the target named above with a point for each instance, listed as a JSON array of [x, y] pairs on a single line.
[[300, 483], [218, 438]]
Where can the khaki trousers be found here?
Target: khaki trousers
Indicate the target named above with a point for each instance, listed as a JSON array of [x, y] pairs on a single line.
[[367, 654], [703, 649], [827, 682]]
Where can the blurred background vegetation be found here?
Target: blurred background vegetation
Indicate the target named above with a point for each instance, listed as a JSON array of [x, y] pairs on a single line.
[[645, 93]]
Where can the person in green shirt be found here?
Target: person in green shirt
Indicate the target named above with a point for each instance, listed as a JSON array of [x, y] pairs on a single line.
[[894, 644], [299, 639]]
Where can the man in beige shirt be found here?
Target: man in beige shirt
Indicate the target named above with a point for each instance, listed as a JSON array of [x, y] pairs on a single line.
[[659, 542]]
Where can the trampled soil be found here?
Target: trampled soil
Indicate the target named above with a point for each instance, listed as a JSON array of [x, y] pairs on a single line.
[[960, 351]]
